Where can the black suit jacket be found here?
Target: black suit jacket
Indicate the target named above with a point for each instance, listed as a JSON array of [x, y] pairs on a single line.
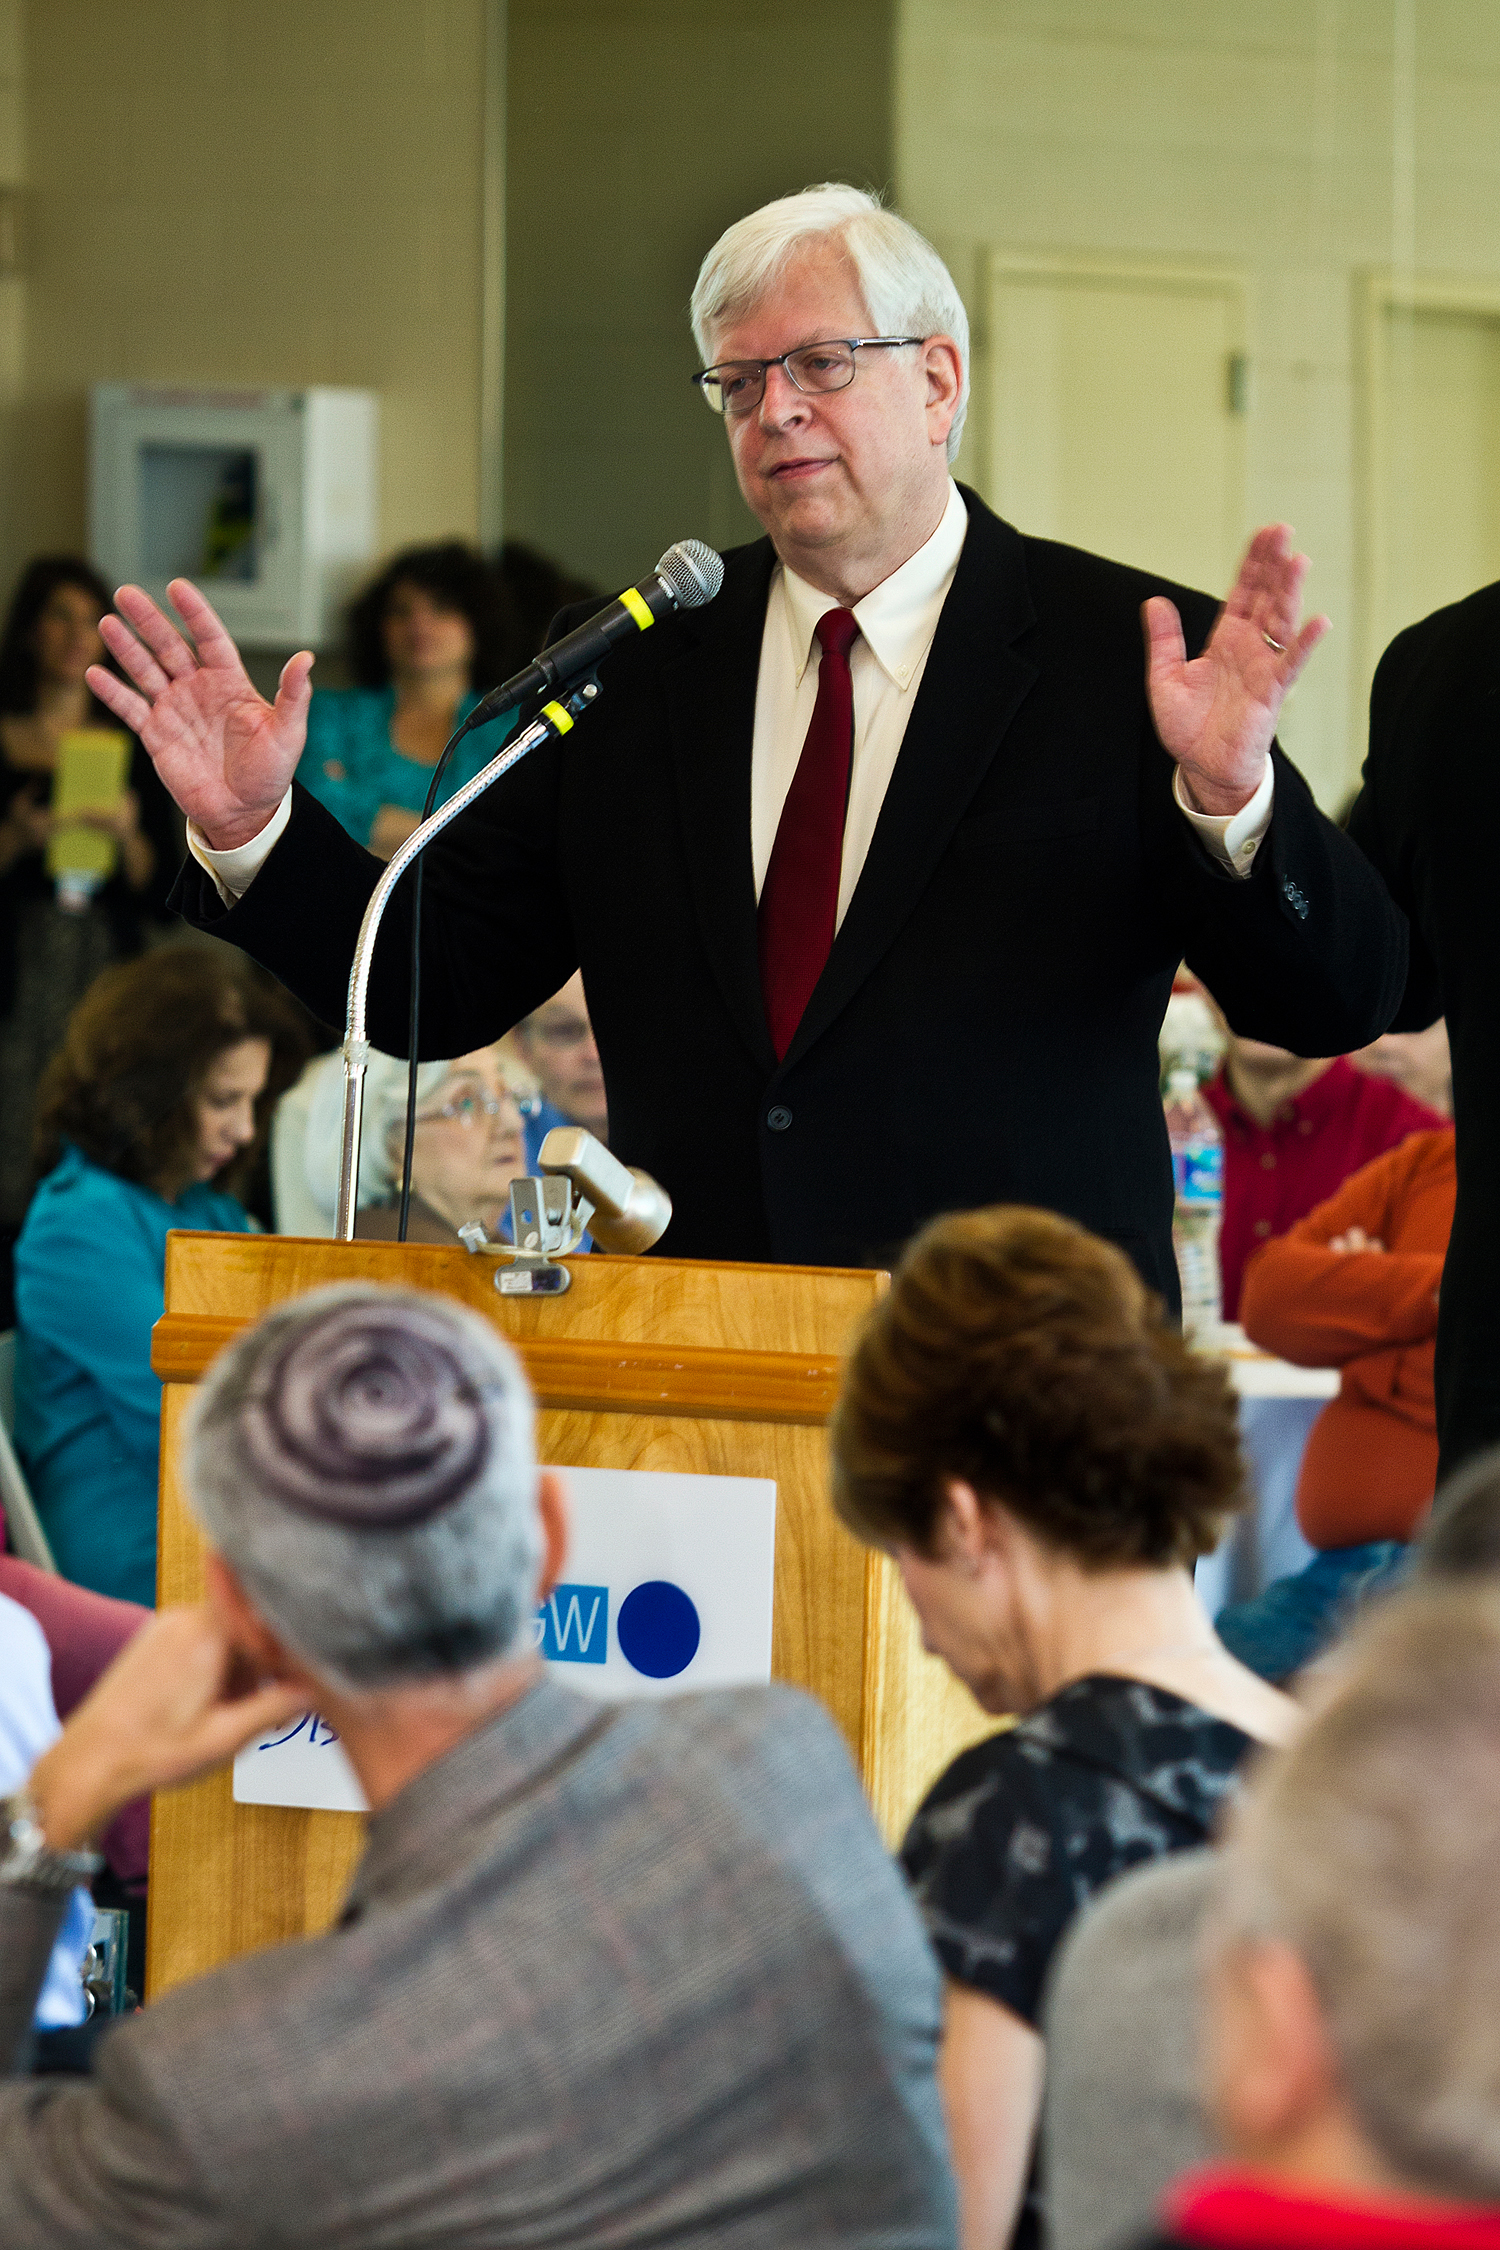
[[1427, 816], [985, 1028]]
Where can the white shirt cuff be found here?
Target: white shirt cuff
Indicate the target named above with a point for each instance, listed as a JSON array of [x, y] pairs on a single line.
[[234, 871], [1233, 838]]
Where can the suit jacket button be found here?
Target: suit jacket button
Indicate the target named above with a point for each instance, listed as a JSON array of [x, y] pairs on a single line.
[[778, 1119]]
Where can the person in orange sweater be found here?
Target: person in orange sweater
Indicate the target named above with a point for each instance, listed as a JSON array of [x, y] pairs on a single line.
[[1355, 1286]]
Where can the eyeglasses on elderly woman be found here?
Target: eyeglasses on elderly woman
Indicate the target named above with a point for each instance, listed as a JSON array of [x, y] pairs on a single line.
[[467, 1109]]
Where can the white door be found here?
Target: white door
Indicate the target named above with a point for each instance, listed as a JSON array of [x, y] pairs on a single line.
[[1438, 464], [1113, 403]]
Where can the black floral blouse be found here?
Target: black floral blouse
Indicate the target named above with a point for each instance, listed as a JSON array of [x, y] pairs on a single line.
[[1023, 1829]]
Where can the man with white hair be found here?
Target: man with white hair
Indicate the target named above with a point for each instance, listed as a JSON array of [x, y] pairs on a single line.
[[879, 867], [1353, 2022], [634, 1973]]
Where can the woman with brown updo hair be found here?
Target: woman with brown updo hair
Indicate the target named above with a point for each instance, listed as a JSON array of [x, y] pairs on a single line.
[[1026, 1434], [148, 1119]]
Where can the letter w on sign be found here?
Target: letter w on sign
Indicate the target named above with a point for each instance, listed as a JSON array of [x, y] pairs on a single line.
[[573, 1625]]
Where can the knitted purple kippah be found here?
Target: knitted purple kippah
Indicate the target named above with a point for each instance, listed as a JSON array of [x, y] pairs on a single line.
[[374, 1417]]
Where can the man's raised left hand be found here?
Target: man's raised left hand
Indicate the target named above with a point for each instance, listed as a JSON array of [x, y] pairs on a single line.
[[1216, 714]]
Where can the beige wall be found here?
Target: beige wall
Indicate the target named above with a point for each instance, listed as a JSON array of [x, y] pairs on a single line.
[[291, 191], [250, 191], [637, 130], [12, 293], [1301, 141]]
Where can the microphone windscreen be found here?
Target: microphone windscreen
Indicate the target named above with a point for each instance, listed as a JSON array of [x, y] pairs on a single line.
[[692, 571]]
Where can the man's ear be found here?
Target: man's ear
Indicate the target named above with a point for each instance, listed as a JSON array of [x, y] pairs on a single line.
[[246, 1629], [945, 379], [552, 1510], [1273, 2069]]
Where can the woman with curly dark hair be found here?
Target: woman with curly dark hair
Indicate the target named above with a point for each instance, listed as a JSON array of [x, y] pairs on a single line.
[[149, 1119], [54, 943], [1045, 1459], [426, 638]]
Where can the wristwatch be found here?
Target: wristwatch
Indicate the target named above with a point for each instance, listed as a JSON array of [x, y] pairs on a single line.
[[27, 1860]]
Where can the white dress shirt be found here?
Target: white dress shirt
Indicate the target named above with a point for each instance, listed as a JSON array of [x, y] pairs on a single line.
[[896, 624]]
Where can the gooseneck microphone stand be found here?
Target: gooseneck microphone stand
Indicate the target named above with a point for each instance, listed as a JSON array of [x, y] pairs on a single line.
[[555, 718]]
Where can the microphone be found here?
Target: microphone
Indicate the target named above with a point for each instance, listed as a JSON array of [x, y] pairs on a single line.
[[687, 576], [623, 1208]]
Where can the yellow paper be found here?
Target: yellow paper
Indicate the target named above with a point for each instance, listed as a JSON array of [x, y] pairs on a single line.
[[92, 765]]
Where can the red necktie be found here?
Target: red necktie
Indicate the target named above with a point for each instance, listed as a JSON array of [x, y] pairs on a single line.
[[799, 898]]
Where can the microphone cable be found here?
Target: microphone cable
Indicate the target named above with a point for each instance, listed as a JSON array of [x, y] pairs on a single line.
[[688, 575], [414, 1005]]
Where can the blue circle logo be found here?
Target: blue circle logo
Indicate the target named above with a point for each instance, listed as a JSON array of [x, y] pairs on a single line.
[[658, 1629]]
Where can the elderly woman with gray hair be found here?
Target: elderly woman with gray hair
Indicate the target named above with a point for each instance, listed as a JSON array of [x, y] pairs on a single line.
[[607, 1971], [469, 1144]]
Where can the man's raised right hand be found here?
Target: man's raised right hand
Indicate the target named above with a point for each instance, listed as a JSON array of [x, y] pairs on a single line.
[[225, 754]]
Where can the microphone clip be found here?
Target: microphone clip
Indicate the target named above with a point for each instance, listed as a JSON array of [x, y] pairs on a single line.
[[544, 1228], [579, 1186]]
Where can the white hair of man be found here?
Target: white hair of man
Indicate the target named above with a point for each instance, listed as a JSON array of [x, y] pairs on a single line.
[[908, 291], [1370, 1847], [364, 1459]]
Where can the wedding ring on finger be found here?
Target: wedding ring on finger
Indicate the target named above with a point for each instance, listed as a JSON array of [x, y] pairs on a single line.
[[1279, 646]]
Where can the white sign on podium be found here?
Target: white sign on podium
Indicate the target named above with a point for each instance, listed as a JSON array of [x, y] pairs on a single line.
[[667, 1588]]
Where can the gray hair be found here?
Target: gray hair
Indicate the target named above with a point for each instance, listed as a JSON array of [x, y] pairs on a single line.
[[1371, 1847], [384, 1116], [908, 291], [1461, 1538], [364, 1459]]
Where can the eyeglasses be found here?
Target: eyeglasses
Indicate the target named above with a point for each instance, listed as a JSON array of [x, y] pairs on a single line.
[[737, 386], [564, 1034], [468, 1110]]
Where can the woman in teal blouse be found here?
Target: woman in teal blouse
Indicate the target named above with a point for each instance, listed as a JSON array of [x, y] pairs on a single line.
[[430, 634], [147, 1119]]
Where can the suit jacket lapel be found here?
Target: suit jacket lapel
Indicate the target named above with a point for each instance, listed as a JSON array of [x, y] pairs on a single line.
[[710, 696], [971, 689]]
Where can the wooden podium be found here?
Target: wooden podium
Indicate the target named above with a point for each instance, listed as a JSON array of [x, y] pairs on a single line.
[[645, 1363]]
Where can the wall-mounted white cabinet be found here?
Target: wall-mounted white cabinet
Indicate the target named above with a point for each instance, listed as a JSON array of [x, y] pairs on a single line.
[[266, 499]]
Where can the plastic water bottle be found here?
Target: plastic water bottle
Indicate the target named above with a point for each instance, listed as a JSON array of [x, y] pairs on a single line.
[[1198, 1177]]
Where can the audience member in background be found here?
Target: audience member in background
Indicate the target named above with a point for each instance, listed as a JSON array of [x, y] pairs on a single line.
[[1461, 1538], [1046, 1459], [1354, 1285], [28, 1726], [557, 1047], [147, 1120], [1353, 2010], [637, 1972], [84, 1632], [307, 1139], [1293, 1130], [1125, 2108], [467, 1148], [1419, 1062], [49, 957], [426, 639]]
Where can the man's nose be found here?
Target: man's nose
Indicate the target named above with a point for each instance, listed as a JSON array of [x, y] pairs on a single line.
[[782, 404]]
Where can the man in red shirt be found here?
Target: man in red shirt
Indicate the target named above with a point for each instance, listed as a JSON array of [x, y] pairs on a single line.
[[1293, 1132]]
